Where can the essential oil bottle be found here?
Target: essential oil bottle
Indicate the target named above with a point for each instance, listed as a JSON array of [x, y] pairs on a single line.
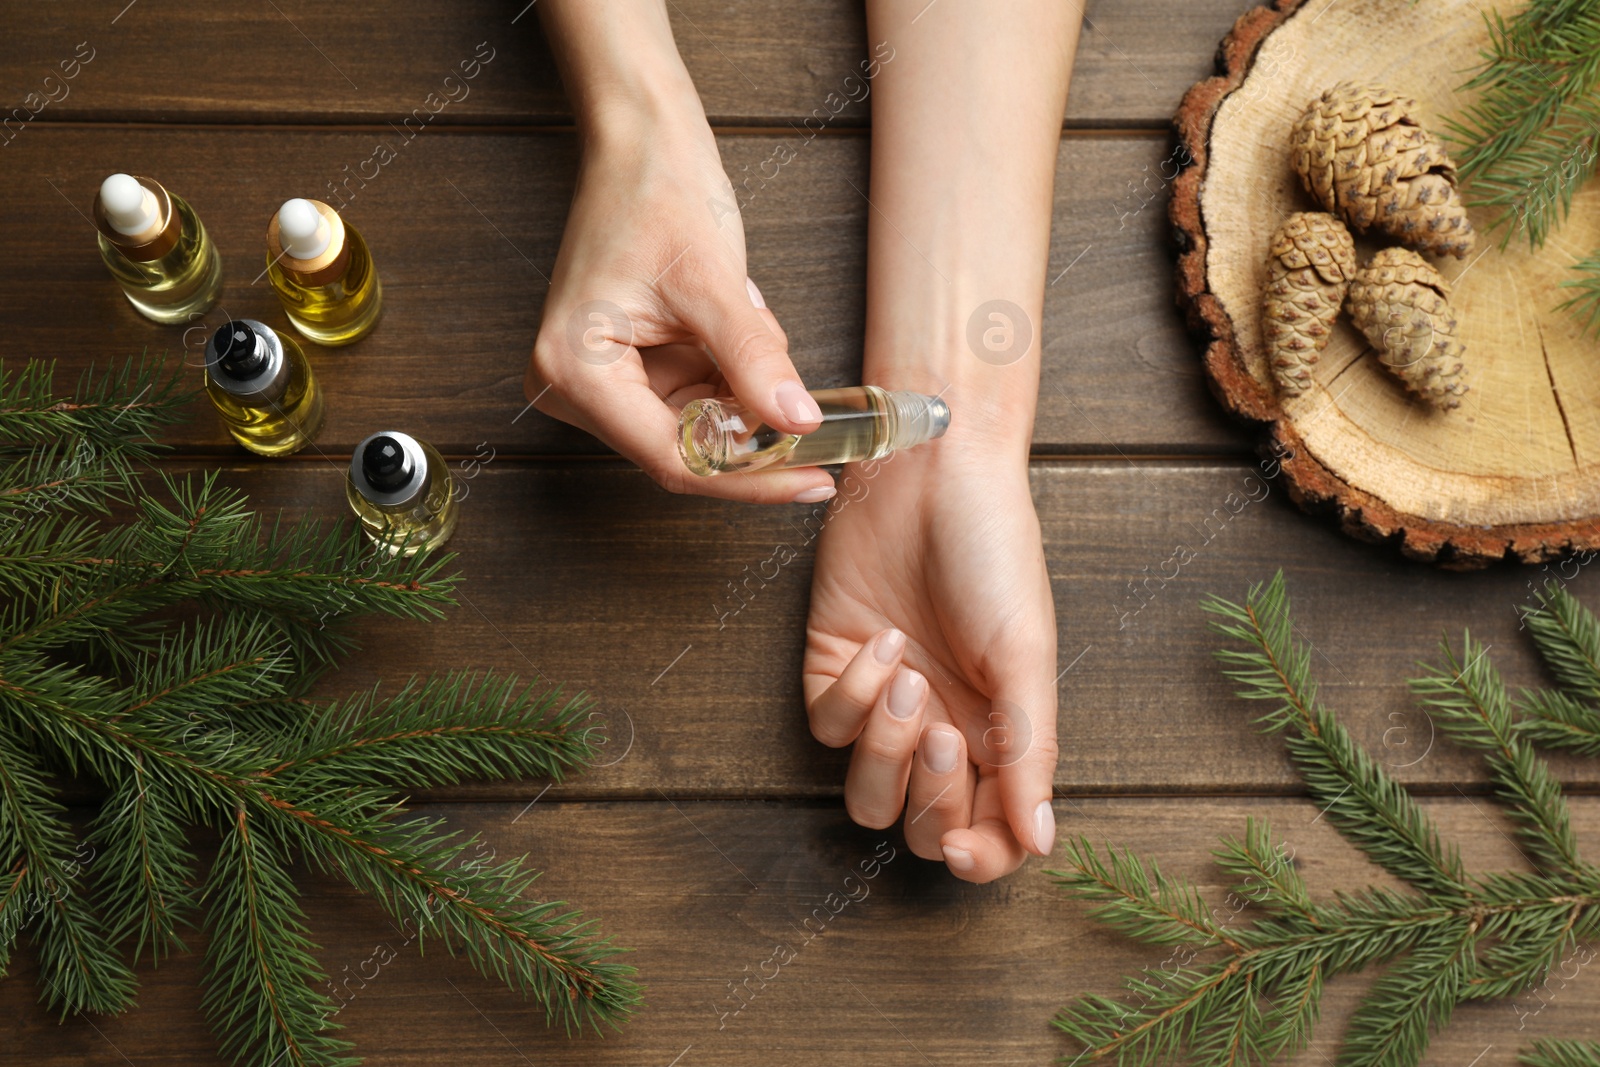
[[401, 490], [156, 249], [261, 383], [858, 423], [320, 268]]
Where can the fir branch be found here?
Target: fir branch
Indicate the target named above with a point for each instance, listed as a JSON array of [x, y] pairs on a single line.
[[1585, 300], [1398, 1016], [1529, 138], [1454, 939], [1567, 636], [1278, 886], [1550, 1052], [1144, 905], [171, 658], [1556, 720], [147, 890], [406, 864], [1475, 712], [439, 731], [263, 997], [121, 409], [1356, 794], [78, 969]]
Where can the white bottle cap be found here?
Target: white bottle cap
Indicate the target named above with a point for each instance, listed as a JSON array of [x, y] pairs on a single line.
[[302, 229], [129, 206]]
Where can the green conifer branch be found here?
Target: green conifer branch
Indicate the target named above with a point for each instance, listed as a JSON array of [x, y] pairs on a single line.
[[171, 658], [1475, 712], [264, 998], [1556, 720], [1529, 138], [1585, 300], [1248, 992], [1553, 1053], [1358, 796], [78, 970]]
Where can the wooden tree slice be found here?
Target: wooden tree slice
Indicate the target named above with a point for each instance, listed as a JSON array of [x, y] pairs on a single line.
[[1514, 473]]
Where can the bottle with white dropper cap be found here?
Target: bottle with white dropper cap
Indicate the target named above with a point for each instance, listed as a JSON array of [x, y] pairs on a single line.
[[320, 268], [156, 249]]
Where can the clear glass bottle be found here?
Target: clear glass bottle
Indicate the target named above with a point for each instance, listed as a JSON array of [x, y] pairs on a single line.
[[261, 383], [858, 423], [401, 490], [157, 249], [322, 272]]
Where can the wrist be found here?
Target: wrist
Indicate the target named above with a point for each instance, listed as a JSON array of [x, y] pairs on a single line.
[[985, 368]]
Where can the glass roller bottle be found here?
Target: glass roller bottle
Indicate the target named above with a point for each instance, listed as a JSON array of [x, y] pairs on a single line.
[[860, 422]]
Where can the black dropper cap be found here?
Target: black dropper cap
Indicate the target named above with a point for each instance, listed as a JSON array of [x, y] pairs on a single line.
[[385, 464], [240, 353]]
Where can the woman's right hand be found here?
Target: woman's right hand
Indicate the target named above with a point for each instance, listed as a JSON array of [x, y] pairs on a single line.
[[650, 305]]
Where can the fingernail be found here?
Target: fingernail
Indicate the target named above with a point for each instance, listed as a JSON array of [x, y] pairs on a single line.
[[888, 645], [815, 495], [905, 693], [959, 859], [939, 751], [797, 403], [1044, 828], [755, 294]]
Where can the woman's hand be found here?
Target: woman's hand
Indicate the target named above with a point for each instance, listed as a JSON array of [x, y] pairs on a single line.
[[650, 305], [931, 646]]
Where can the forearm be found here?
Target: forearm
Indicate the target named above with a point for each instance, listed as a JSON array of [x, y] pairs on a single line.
[[966, 123], [619, 63]]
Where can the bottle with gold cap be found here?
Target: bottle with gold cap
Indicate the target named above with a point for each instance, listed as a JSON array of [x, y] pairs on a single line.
[[156, 249], [320, 268], [402, 492], [261, 383]]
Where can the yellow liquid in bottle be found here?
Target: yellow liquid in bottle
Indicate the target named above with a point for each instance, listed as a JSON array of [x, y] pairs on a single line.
[[275, 428], [340, 312], [716, 436], [425, 523], [184, 282]]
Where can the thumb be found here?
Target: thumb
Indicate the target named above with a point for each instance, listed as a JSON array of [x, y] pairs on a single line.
[[753, 358]]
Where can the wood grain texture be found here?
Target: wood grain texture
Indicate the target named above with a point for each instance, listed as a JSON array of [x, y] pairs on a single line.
[[464, 228], [764, 63], [1512, 473], [700, 679], [918, 969]]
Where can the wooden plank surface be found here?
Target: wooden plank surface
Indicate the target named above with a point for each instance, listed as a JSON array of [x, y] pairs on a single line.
[[465, 227], [705, 693], [762, 63], [919, 969]]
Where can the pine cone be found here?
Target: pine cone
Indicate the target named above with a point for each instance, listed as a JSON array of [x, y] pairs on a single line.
[[1402, 304], [1362, 152], [1309, 266]]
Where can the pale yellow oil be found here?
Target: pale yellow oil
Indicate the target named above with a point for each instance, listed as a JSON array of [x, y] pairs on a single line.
[[855, 426], [341, 312], [281, 427], [425, 523], [185, 282]]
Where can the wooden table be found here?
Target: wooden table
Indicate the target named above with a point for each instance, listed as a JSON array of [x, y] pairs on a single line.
[[717, 824]]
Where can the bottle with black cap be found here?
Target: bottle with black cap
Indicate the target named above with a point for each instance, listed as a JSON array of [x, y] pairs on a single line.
[[261, 383], [401, 490], [156, 249]]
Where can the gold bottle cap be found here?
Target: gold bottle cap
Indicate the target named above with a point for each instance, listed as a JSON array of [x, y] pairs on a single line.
[[151, 243], [323, 269]]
